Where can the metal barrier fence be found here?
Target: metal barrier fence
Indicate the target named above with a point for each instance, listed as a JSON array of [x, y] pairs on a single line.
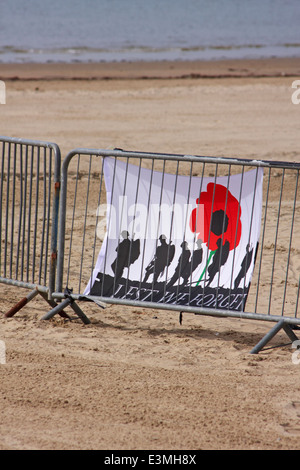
[[92, 178], [29, 195]]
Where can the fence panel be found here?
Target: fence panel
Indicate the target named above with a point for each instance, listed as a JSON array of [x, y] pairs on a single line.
[[91, 177], [29, 194]]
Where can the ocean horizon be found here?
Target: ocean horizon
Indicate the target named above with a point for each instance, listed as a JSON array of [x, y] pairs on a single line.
[[134, 30]]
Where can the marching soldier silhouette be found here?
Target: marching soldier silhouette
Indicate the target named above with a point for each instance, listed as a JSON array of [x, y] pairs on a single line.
[[244, 266], [219, 259], [128, 252], [163, 257], [183, 268], [196, 256]]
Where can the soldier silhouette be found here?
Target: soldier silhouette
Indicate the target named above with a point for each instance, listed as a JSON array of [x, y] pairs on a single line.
[[244, 266], [183, 268], [197, 256], [219, 259], [163, 257], [128, 252]]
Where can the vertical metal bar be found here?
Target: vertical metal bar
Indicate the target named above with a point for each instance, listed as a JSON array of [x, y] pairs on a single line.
[[97, 214], [158, 223], [262, 241], [84, 224], [236, 231], [275, 243], [223, 228], [23, 223], [12, 225], [1, 200], [29, 214], [249, 237], [133, 224], [44, 218], [19, 244], [7, 209], [121, 221], [209, 232], [147, 223], [62, 220], [55, 214], [185, 225], [73, 218], [34, 251], [48, 188], [290, 243], [198, 214], [109, 222], [171, 227]]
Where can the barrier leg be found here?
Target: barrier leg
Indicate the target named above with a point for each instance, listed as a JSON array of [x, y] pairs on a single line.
[[21, 303], [59, 307], [290, 332], [53, 304], [276, 328], [80, 313]]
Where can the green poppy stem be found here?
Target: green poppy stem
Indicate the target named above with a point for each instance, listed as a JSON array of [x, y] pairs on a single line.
[[208, 261]]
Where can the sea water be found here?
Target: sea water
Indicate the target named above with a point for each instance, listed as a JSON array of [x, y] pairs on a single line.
[[130, 30]]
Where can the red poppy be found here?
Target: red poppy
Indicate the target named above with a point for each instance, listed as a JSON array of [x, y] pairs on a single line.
[[222, 221]]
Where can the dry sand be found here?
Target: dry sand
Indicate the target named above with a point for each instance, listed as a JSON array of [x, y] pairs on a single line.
[[134, 378]]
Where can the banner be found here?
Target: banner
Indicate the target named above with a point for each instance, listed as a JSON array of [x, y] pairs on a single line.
[[177, 239]]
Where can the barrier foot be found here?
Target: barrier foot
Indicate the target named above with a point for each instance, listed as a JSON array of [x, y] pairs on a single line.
[[59, 307], [80, 313], [53, 304], [21, 303], [289, 331], [276, 328], [27, 299]]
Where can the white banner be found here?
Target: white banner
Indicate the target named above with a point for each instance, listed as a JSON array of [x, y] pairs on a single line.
[[178, 240]]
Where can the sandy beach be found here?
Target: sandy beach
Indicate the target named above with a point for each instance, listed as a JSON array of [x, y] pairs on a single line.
[[134, 378]]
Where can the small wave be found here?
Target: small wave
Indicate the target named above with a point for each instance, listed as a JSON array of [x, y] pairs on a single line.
[[9, 53], [292, 45]]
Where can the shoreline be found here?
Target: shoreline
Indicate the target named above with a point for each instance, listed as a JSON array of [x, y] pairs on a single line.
[[237, 68]]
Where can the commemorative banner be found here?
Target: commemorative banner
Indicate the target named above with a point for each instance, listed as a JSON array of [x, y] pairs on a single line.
[[176, 239]]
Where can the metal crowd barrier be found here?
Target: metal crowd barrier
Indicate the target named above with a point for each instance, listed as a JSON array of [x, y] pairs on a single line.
[[272, 292], [29, 196]]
